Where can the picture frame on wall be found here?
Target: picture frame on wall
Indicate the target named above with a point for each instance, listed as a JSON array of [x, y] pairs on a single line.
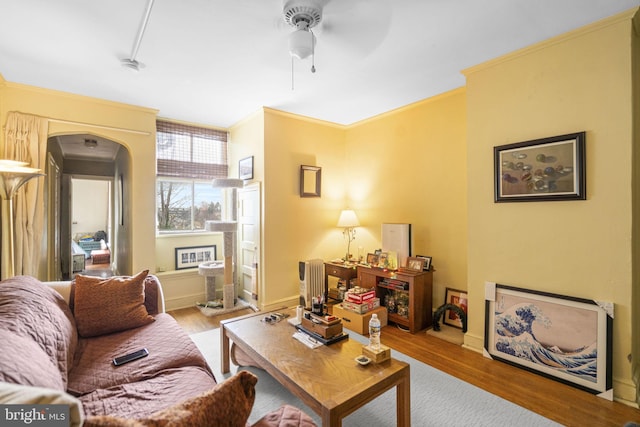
[[541, 170], [310, 181], [245, 168], [459, 299], [192, 256], [564, 338]]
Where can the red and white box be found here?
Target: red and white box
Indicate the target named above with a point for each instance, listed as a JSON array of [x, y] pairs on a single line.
[[361, 308], [358, 296]]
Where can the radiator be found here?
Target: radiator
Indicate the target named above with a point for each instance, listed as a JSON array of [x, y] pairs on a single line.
[[311, 280]]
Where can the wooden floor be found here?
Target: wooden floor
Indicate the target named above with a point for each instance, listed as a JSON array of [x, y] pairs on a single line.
[[561, 403]]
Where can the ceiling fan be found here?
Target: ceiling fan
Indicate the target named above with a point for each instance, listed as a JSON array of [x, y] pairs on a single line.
[[302, 15], [355, 26]]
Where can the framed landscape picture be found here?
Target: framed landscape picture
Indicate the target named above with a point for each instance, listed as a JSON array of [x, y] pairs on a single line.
[[560, 337], [190, 257], [245, 168]]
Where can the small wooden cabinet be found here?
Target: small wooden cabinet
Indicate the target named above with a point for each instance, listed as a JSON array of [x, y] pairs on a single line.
[[341, 271], [415, 288]]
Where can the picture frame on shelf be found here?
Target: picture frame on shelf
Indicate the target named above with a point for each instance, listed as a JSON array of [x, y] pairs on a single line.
[[383, 260], [459, 299], [245, 168], [544, 169], [192, 256], [564, 338], [415, 264], [372, 259], [427, 262]]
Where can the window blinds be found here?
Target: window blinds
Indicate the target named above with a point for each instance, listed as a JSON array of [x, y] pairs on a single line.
[[185, 151]]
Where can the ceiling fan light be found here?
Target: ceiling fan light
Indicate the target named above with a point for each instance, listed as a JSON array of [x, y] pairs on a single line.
[[301, 43]]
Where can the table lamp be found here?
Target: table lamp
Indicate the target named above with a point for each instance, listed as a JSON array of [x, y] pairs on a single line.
[[348, 220]]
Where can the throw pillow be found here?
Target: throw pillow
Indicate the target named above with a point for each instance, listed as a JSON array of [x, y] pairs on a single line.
[[227, 404], [103, 306]]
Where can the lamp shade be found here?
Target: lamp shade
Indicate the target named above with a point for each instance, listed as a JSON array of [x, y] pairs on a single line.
[[301, 43], [13, 174], [348, 219]]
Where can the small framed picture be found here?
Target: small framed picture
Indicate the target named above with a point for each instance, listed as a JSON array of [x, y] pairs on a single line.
[[457, 298], [245, 168], [190, 257], [383, 260], [427, 262], [372, 260], [415, 264]]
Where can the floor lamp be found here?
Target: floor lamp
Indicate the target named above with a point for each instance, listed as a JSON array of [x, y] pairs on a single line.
[[13, 175]]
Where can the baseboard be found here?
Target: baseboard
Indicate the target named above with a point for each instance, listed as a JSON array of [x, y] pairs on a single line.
[[473, 342], [283, 302], [183, 302], [625, 392]]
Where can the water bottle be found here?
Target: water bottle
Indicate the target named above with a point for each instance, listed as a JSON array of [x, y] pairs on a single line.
[[374, 332]]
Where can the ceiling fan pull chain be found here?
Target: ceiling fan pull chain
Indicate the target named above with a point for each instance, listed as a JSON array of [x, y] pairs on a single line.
[[313, 52], [292, 73]]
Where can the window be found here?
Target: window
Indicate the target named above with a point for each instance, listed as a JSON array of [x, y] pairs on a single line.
[[188, 158]]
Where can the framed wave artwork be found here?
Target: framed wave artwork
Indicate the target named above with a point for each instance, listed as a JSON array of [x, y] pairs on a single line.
[[560, 337]]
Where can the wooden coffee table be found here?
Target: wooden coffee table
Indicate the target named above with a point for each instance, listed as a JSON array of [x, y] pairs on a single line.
[[327, 378]]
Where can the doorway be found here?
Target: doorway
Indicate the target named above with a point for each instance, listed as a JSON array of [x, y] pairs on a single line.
[[91, 222], [88, 200]]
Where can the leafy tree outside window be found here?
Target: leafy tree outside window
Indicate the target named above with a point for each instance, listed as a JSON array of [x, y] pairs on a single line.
[[188, 159]]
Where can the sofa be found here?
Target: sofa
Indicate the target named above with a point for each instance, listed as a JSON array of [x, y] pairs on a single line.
[[59, 340]]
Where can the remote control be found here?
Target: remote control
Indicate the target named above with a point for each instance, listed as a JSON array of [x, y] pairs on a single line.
[[121, 360]]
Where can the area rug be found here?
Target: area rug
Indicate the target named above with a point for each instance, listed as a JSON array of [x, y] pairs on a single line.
[[437, 398]]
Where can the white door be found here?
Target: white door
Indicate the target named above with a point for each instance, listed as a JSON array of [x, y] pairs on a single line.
[[249, 241]]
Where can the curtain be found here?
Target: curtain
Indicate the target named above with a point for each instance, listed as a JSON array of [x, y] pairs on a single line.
[[26, 140]]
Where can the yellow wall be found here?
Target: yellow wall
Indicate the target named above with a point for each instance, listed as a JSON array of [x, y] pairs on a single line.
[[183, 288], [580, 81], [409, 166], [103, 118], [295, 228], [389, 169]]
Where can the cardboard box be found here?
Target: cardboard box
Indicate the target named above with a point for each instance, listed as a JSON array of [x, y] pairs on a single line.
[[361, 308], [360, 297], [359, 322]]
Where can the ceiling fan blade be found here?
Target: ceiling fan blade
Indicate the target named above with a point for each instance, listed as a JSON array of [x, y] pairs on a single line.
[[356, 26]]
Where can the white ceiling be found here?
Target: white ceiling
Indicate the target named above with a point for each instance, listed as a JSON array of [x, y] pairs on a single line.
[[215, 62]]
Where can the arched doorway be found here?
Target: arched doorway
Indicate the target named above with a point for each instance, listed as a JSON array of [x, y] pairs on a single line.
[[84, 158]]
